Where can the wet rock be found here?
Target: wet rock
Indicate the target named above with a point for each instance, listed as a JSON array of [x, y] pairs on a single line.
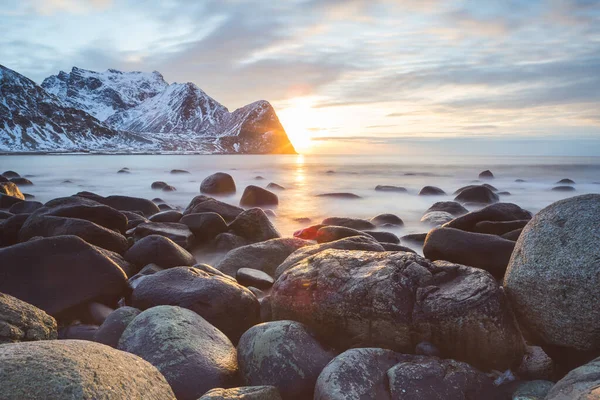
[[437, 218], [309, 233], [451, 207], [396, 247], [520, 180], [58, 369], [193, 355], [581, 383], [9, 232], [255, 196], [477, 194], [158, 185], [254, 226], [113, 327], [332, 233], [10, 174], [552, 279], [534, 390], [396, 300], [264, 256], [25, 207], [284, 354], [494, 212], [74, 272], [21, 181], [487, 174], [89, 210], [504, 193], [275, 186], [205, 226], [243, 393], [219, 183], [386, 188], [179, 171], [159, 250], [23, 322], [203, 204], [431, 191], [147, 270], [133, 219], [512, 235], [566, 181], [3, 179], [488, 252], [10, 189], [164, 207], [8, 201], [340, 195], [228, 306], [417, 238], [384, 237], [169, 188], [354, 223], [166, 216], [536, 364], [485, 185], [126, 203], [124, 171], [178, 233], [499, 227], [563, 189], [383, 219], [225, 242], [253, 277]]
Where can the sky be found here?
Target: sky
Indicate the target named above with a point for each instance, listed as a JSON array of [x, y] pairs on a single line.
[[506, 76]]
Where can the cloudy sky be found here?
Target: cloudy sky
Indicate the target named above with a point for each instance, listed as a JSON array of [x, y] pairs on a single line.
[[507, 75]]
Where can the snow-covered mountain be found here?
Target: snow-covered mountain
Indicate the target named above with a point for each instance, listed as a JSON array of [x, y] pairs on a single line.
[[131, 112]]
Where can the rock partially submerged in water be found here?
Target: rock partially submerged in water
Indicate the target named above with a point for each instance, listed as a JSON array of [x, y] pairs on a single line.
[[451, 207], [431, 191], [487, 174], [494, 212], [477, 194], [387, 188], [332, 233], [581, 383], [437, 218], [340, 195], [219, 183], [255, 196], [205, 225], [254, 226], [563, 188], [387, 219], [354, 223]]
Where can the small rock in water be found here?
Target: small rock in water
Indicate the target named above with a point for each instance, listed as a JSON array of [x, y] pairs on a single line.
[[169, 188], [563, 189], [274, 186], [179, 171], [387, 188], [340, 195], [414, 237], [477, 194], [302, 220], [388, 220], [332, 233], [158, 185], [123, 171], [21, 181], [259, 178], [487, 174], [255, 196], [354, 223], [566, 181], [219, 183], [10, 174], [437, 218], [431, 191], [520, 180], [384, 237]]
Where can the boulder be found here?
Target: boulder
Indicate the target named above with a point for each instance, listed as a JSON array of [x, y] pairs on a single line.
[[166, 216], [340, 195], [114, 325], [147, 270], [25, 207], [552, 279], [451, 207], [582, 383], [89, 210], [416, 238], [243, 393], [10, 189], [431, 191], [386, 188], [133, 219], [70, 273], [264, 256], [437, 218], [23, 322], [533, 390], [486, 185], [158, 250], [159, 185], [487, 174], [8, 201], [477, 194], [284, 354], [563, 188], [536, 364], [21, 181], [396, 247], [353, 223], [499, 227], [309, 233], [255, 196], [219, 183], [512, 235], [332, 233], [179, 171], [10, 174], [488, 252], [203, 204], [254, 226], [193, 355], [221, 301], [225, 242], [253, 277], [9, 231], [494, 212], [383, 219], [274, 186], [126, 203], [205, 226], [396, 300], [77, 369], [365, 243], [384, 237], [178, 233], [566, 181]]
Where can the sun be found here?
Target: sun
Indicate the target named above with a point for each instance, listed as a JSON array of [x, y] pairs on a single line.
[[297, 121]]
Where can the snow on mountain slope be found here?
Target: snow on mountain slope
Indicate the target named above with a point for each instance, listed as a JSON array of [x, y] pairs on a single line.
[[102, 94], [31, 119]]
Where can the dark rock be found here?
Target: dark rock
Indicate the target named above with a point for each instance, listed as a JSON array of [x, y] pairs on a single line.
[[193, 355], [552, 279], [417, 238], [534, 390], [292, 360], [221, 301], [581, 383], [332, 233], [243, 393], [451, 207], [396, 247], [89, 210], [494, 212], [488, 252], [477, 194], [347, 196], [205, 226], [487, 174], [74, 273], [384, 237], [10, 174], [202, 204], [113, 327], [179, 171], [123, 171], [219, 184], [159, 250], [8, 201], [254, 226], [3, 179], [255, 196], [427, 349], [504, 194], [133, 219], [274, 186], [23, 322], [178, 233], [520, 180], [309, 233], [21, 181], [264, 256], [485, 185], [536, 364], [10, 189], [126, 203], [431, 191], [500, 227], [28, 196], [166, 216], [9, 233], [225, 242], [566, 181], [25, 207], [77, 332], [512, 235], [563, 189], [158, 185], [253, 277], [259, 178], [156, 200], [147, 270], [354, 223], [437, 218], [391, 219], [386, 188], [96, 313], [265, 309], [59, 369], [169, 188], [396, 300], [5, 215], [164, 207]]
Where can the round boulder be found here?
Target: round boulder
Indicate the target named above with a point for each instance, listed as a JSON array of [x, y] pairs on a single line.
[[20, 321], [385, 219], [254, 226], [114, 325], [332, 233], [477, 194], [487, 174], [205, 226], [451, 207], [219, 184], [255, 196], [166, 216], [387, 188], [582, 383], [437, 218], [354, 223], [431, 191], [156, 249], [158, 185]]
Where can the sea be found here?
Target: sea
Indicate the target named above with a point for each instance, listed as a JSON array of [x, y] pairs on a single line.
[[306, 176]]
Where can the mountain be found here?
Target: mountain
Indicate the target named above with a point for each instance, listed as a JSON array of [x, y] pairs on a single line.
[[32, 119], [102, 94]]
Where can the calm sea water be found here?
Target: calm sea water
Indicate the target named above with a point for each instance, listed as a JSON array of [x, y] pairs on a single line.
[[306, 176]]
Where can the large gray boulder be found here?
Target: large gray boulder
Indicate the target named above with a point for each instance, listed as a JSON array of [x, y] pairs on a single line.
[[193, 355], [284, 354], [265, 256], [21, 322], [254, 226], [582, 383], [553, 278], [373, 373], [221, 301], [218, 183], [77, 369], [397, 300]]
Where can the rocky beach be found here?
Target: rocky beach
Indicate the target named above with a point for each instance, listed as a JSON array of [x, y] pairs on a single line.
[[107, 296]]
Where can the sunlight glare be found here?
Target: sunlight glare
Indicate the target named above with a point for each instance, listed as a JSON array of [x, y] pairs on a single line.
[[296, 120]]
